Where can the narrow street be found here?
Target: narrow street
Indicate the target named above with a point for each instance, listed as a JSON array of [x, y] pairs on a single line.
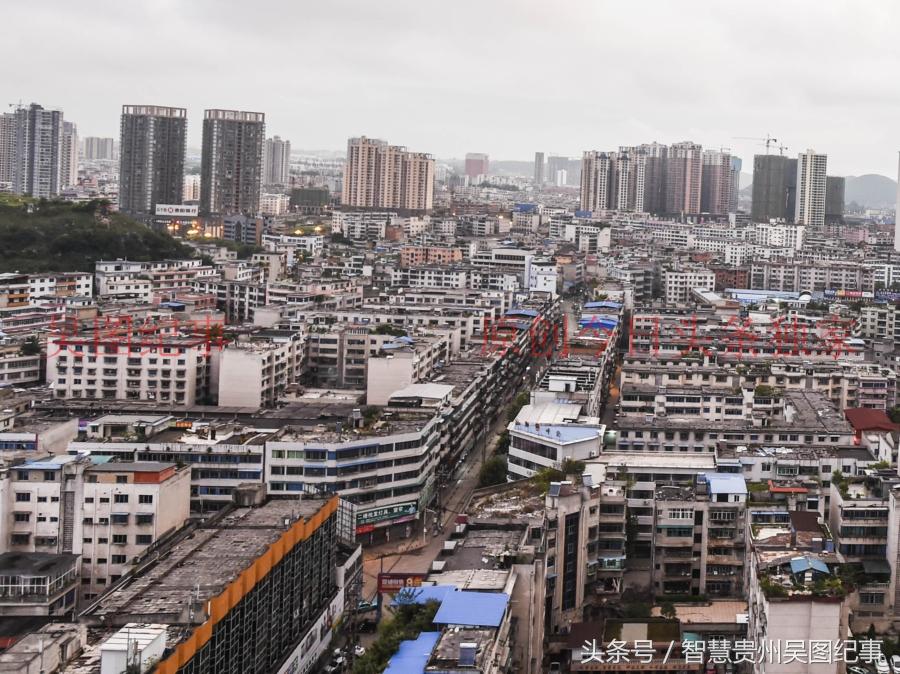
[[415, 554]]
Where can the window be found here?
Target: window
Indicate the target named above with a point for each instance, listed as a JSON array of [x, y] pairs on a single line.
[[121, 479], [20, 539], [871, 598], [144, 518], [22, 517], [102, 541], [144, 539], [119, 559], [104, 499], [119, 539], [145, 498], [87, 540], [49, 475], [119, 518], [121, 498], [22, 496], [101, 560]]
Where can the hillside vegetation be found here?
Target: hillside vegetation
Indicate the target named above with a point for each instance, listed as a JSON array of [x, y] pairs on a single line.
[[61, 236]]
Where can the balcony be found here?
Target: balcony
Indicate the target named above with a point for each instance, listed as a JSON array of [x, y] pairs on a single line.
[[724, 559], [674, 541]]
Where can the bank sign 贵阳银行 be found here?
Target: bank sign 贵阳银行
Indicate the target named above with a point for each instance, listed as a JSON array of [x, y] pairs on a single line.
[[177, 210]]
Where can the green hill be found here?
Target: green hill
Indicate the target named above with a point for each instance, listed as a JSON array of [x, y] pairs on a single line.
[[60, 236]]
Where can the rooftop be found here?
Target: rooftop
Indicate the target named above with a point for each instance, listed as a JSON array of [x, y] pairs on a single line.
[[35, 563], [202, 565], [724, 483], [508, 502], [657, 631], [447, 649], [472, 609], [716, 612], [863, 419], [482, 580], [131, 467], [548, 413], [484, 549], [412, 656]]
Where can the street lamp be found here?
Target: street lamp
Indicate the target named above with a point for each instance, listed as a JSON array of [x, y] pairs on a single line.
[[425, 522]]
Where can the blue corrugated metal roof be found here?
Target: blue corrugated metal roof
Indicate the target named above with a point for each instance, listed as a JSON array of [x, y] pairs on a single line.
[[603, 304], [523, 312], [54, 464], [472, 609], [802, 564], [725, 483], [420, 595], [412, 656]]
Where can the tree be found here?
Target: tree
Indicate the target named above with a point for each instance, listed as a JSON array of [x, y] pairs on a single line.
[[636, 610], [61, 236], [408, 622], [667, 610], [30, 347], [521, 400], [493, 471], [502, 446], [389, 329]]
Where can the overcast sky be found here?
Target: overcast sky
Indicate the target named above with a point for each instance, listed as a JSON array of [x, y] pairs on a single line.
[[503, 77]]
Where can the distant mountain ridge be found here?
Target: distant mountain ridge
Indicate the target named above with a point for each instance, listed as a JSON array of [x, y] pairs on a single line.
[[872, 190]]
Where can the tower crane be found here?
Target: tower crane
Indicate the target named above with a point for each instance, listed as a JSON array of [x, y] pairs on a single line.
[[768, 140]]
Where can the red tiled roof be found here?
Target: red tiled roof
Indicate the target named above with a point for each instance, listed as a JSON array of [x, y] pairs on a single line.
[[863, 419]]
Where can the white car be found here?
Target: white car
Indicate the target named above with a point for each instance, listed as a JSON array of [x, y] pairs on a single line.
[[359, 651], [881, 666], [895, 663]]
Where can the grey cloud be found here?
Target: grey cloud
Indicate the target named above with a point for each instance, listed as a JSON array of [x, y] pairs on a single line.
[[497, 76]]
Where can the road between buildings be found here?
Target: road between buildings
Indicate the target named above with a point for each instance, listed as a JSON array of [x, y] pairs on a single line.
[[415, 554]]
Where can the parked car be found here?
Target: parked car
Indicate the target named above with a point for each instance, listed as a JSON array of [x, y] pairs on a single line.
[[882, 666], [555, 668], [895, 663], [856, 670], [359, 651]]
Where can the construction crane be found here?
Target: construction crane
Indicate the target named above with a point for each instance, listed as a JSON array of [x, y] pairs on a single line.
[[768, 140], [781, 149]]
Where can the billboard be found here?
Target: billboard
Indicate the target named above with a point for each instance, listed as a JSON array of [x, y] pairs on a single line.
[[177, 210], [394, 582], [388, 513], [849, 294]]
